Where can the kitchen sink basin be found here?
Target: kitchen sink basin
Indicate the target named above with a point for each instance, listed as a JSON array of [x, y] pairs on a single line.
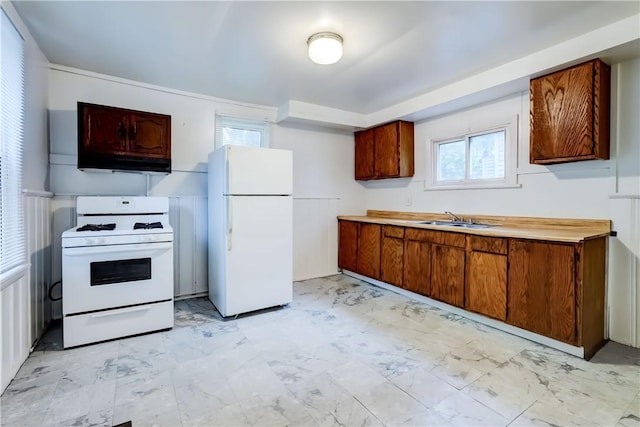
[[450, 223], [469, 225]]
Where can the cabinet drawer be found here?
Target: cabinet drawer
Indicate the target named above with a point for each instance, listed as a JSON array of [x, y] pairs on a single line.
[[453, 239], [393, 231], [437, 237], [492, 245], [421, 235]]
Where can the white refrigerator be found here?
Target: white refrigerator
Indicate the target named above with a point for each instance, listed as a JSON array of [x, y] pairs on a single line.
[[250, 228]]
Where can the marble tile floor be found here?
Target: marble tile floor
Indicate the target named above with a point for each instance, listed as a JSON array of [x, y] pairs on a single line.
[[342, 353]]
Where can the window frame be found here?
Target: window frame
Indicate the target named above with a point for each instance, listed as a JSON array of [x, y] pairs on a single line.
[[261, 126], [510, 127]]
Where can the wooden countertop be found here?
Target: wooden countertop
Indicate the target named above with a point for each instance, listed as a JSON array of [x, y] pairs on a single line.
[[550, 229]]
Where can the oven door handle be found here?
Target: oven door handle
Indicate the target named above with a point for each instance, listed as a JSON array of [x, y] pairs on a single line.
[[117, 249]]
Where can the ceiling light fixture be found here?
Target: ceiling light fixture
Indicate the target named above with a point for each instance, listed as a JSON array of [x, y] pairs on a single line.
[[325, 48]]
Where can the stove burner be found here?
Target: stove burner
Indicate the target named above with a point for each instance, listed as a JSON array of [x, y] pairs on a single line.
[[147, 225], [97, 227]]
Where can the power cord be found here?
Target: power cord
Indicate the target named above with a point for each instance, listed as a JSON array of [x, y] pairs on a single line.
[[59, 282]]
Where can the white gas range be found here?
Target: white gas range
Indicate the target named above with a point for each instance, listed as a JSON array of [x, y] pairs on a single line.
[[117, 269]]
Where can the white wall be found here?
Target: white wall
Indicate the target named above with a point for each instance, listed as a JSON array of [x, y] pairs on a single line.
[[575, 190], [323, 187], [624, 250], [626, 128], [323, 166], [570, 190]]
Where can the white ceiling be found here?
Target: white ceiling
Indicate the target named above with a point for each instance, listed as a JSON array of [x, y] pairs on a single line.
[[256, 52]]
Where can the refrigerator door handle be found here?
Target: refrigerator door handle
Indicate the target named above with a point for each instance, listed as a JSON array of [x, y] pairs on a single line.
[[227, 177], [229, 223]]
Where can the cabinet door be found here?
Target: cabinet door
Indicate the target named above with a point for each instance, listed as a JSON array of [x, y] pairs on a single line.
[[417, 267], [369, 250], [567, 118], [542, 294], [486, 284], [364, 154], [392, 260], [104, 129], [348, 245], [387, 150], [150, 135], [447, 274]]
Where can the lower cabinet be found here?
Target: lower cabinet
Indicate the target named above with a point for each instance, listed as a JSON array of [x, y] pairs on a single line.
[[417, 267], [447, 274], [434, 264], [486, 276], [392, 255], [542, 288], [557, 290], [369, 238], [348, 245], [554, 289], [359, 247]]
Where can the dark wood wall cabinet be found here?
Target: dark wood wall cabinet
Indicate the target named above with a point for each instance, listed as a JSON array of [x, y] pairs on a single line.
[[554, 289], [384, 151], [121, 139], [569, 116]]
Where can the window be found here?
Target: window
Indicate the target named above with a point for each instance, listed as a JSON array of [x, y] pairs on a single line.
[[12, 244], [479, 159], [235, 131]]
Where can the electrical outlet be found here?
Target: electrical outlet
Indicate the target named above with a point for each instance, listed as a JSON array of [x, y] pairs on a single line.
[[409, 201]]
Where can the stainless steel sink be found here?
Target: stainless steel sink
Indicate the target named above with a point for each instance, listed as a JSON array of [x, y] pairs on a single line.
[[450, 223], [470, 225]]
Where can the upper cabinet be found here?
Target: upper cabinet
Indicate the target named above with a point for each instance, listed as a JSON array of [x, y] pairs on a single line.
[[570, 114], [385, 151], [117, 138]]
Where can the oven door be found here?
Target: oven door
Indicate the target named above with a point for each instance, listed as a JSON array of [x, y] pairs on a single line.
[[102, 277]]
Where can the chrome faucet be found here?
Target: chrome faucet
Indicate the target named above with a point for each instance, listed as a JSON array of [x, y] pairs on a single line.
[[454, 217]]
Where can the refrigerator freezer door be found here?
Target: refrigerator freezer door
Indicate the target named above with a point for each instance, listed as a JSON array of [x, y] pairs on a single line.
[[259, 245], [258, 171]]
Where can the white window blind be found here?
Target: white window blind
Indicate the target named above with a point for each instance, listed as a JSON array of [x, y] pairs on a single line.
[[236, 131], [12, 244]]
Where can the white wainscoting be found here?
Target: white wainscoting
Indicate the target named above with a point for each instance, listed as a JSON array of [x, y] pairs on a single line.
[[188, 217], [38, 235], [16, 341], [624, 271], [25, 312], [315, 237]]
